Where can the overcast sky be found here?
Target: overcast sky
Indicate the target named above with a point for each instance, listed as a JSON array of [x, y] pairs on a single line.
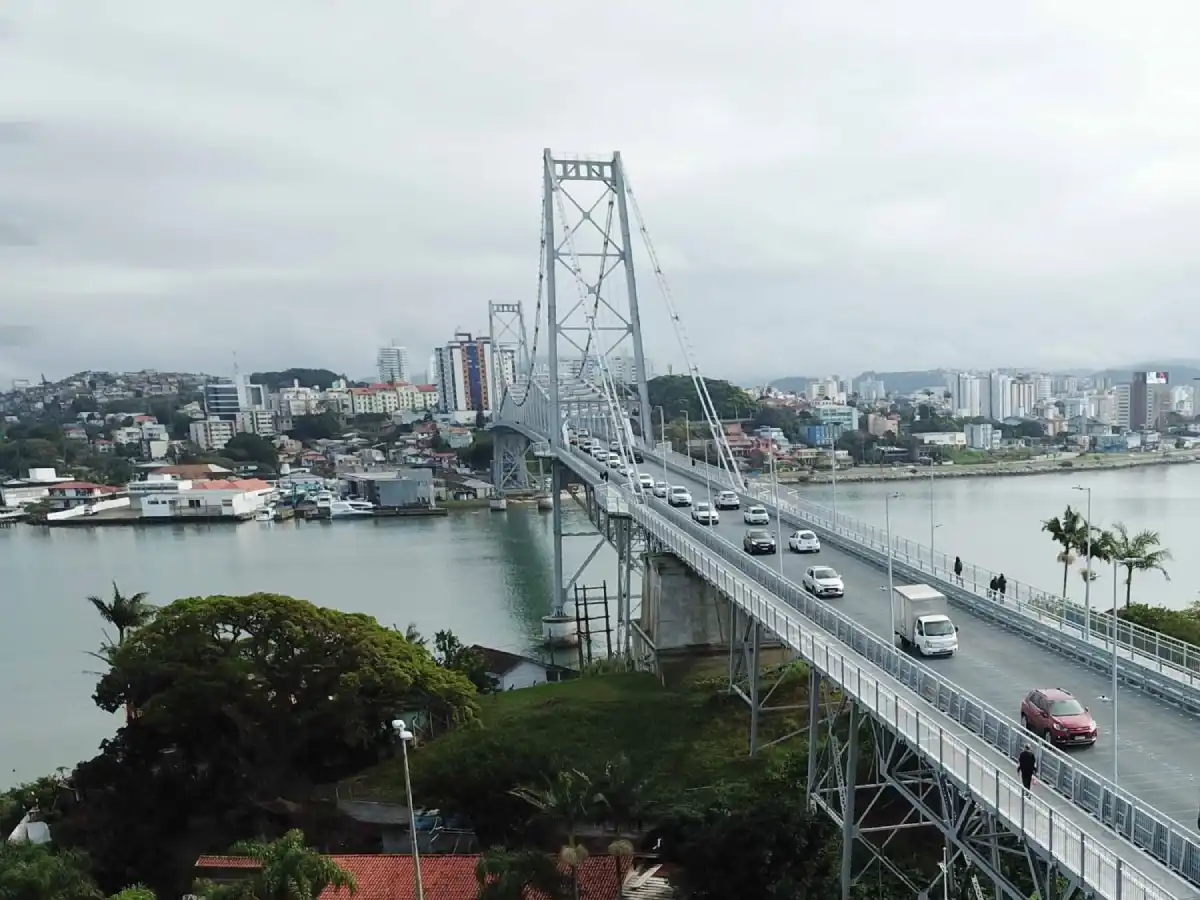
[[831, 186]]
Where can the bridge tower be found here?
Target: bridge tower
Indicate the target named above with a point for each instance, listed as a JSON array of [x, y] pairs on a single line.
[[594, 329], [509, 358]]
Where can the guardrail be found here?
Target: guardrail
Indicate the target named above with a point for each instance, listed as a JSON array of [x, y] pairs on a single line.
[[772, 599], [1176, 662]]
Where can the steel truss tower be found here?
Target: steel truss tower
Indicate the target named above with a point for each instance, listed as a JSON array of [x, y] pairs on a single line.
[[587, 236], [509, 359]]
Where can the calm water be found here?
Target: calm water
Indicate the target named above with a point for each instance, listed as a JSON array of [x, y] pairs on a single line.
[[996, 522], [486, 576]]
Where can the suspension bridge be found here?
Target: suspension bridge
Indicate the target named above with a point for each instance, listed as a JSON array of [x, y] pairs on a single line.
[[886, 731]]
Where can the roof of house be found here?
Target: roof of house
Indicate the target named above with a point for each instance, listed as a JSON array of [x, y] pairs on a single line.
[[501, 662], [232, 484], [193, 470], [81, 486], [448, 876]]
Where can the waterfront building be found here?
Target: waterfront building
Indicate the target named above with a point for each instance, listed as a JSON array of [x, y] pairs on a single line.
[[395, 488], [70, 494], [942, 438], [838, 414], [19, 491], [982, 436], [182, 499]]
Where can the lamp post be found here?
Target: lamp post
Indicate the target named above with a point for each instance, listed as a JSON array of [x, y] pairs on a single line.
[[402, 732], [887, 514], [1087, 579], [778, 517], [687, 435], [932, 523], [666, 448], [707, 477], [833, 470], [1115, 621]]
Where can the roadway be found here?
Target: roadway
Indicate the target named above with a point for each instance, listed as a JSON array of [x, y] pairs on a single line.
[[1156, 748]]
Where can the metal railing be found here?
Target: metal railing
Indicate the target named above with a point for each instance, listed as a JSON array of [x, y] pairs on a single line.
[[865, 667], [1157, 834], [1143, 646]]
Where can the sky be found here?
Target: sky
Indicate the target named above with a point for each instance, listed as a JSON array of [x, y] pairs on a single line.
[[828, 186]]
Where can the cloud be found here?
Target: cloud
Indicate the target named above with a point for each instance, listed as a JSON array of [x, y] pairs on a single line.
[[829, 186]]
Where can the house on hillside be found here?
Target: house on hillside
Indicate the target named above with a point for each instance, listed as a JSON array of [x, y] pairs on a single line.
[[512, 671]]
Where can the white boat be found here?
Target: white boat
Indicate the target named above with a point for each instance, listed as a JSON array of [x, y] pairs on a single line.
[[265, 515], [340, 509]]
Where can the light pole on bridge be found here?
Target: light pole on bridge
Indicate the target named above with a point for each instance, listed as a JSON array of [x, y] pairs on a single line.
[[1087, 578], [887, 515]]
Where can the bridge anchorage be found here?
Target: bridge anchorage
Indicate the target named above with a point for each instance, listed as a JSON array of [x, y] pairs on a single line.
[[897, 748]]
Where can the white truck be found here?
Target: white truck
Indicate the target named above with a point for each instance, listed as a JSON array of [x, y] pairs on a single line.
[[920, 619]]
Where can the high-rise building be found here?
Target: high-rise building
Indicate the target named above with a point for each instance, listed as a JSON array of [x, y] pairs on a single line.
[[393, 364], [1122, 411], [965, 396], [1149, 400], [465, 380], [1024, 396], [432, 371], [222, 400], [999, 405], [825, 389], [621, 368]]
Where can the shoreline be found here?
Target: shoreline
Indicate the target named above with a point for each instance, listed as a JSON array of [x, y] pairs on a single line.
[[1069, 466]]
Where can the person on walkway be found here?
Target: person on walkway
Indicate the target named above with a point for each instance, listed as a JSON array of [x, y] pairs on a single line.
[[993, 587], [1027, 766], [1002, 585], [958, 569]]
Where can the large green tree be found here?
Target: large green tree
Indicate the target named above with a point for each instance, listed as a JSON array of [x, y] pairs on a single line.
[[241, 705], [37, 872], [676, 394], [503, 874], [252, 448]]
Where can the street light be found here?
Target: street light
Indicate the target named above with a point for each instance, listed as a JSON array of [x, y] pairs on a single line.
[[1087, 579], [662, 422], [833, 469], [404, 735], [778, 517], [932, 524], [1115, 620], [887, 514]]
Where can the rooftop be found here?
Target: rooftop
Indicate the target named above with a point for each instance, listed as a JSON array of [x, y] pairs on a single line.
[[81, 486], [446, 877], [501, 662], [232, 484]]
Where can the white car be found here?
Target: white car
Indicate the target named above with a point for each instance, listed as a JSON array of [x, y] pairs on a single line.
[[804, 542], [756, 515], [823, 582], [615, 461], [678, 495], [728, 500], [660, 490], [627, 471], [646, 481], [705, 514]]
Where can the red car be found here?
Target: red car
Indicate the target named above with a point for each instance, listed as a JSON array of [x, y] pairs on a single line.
[[1058, 717]]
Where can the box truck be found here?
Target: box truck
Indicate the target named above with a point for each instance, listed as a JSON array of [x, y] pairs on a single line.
[[921, 619]]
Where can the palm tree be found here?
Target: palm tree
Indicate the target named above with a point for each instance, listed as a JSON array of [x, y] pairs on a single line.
[[126, 614], [570, 799], [288, 870], [1138, 553], [510, 874], [621, 852], [1069, 531]]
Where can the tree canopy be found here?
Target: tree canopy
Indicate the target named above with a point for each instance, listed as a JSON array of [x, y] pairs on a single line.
[[252, 448], [239, 705], [314, 428], [676, 394]]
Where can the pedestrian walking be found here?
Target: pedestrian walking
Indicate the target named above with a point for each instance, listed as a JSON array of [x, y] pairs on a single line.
[[1027, 766], [993, 586], [958, 569], [1002, 585]]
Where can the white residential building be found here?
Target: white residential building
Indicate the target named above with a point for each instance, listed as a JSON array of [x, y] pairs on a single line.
[[212, 434], [1121, 413], [966, 396], [393, 364], [999, 394], [255, 421], [943, 438], [825, 389], [299, 401], [240, 498], [130, 434], [982, 436], [1043, 387], [1024, 397]]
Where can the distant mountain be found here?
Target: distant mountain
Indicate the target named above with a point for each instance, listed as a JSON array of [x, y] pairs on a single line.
[[1179, 371], [793, 384]]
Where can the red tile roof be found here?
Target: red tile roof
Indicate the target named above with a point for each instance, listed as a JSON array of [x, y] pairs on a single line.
[[428, 388], [445, 877]]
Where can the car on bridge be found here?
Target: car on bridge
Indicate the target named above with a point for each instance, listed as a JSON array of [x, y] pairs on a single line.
[[615, 461], [728, 500], [705, 514], [823, 581], [758, 540], [804, 541], [756, 515], [646, 481], [678, 495], [660, 490], [1058, 717]]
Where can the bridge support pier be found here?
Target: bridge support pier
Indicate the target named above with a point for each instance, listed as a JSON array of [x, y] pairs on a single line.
[[510, 469]]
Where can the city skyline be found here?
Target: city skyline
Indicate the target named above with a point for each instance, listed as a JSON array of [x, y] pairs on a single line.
[[992, 184]]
